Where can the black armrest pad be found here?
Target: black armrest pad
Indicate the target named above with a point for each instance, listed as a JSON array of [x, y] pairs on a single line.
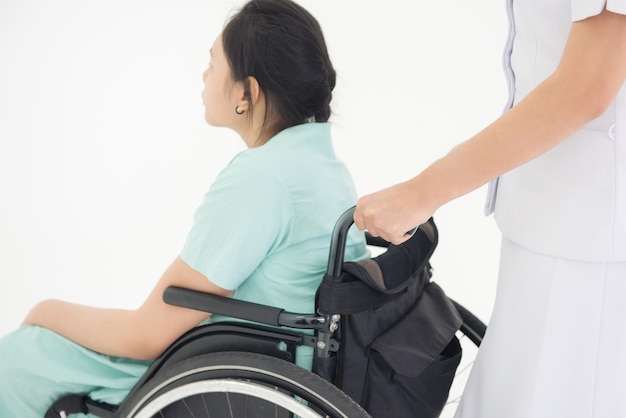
[[221, 305]]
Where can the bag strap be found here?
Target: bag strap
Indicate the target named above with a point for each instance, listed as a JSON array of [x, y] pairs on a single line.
[[348, 297]]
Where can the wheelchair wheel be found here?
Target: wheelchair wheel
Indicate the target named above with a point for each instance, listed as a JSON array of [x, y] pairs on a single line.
[[470, 336], [239, 385]]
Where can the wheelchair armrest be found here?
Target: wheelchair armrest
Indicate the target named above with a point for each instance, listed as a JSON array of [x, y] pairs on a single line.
[[221, 305], [240, 309]]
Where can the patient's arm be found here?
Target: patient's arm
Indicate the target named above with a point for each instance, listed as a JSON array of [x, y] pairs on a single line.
[[143, 333]]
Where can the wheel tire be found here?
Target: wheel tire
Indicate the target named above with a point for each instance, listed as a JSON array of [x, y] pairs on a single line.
[[240, 385]]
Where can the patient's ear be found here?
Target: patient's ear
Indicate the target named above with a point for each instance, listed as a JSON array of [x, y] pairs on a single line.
[[250, 92], [255, 90]]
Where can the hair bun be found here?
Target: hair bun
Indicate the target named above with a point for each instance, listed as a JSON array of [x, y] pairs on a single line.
[[283, 47]]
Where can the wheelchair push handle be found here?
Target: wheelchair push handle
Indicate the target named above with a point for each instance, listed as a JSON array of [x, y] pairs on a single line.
[[340, 239], [338, 242]]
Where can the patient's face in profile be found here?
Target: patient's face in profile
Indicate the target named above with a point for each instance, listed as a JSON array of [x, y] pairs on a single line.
[[221, 93]]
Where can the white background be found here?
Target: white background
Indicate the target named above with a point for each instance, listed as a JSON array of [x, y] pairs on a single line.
[[104, 153]]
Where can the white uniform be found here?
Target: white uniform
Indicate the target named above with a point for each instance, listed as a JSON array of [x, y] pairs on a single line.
[[556, 343]]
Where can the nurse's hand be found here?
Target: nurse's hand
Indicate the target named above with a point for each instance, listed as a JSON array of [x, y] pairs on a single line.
[[392, 213]]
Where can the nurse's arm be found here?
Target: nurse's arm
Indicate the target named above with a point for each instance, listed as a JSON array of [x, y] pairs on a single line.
[[143, 333], [587, 79]]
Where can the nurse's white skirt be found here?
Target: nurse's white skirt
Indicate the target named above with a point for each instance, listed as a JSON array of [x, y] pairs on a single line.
[[556, 343]]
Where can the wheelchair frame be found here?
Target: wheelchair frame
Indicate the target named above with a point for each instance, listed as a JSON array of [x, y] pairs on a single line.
[[263, 336]]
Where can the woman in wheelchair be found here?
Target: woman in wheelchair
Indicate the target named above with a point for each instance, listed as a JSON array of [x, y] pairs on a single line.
[[261, 233]]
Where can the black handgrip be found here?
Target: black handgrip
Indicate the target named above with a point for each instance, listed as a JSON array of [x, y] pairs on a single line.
[[221, 305], [338, 242]]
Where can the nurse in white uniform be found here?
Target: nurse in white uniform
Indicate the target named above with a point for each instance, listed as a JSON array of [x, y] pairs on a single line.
[[556, 343]]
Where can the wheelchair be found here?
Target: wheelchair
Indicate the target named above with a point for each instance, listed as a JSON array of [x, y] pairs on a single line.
[[246, 367]]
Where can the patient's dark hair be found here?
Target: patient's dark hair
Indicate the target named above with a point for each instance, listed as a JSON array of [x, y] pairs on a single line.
[[281, 45]]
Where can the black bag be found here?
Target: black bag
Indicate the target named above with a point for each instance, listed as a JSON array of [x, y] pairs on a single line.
[[397, 346]]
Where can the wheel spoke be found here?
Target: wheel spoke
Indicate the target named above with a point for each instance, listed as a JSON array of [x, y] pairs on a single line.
[[230, 406]]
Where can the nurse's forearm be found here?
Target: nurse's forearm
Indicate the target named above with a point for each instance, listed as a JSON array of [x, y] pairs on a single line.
[[541, 121], [591, 72], [547, 116]]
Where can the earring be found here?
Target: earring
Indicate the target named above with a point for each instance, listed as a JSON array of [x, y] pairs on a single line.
[[237, 111]]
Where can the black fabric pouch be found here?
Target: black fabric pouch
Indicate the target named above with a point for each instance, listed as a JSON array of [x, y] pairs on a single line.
[[398, 352]]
